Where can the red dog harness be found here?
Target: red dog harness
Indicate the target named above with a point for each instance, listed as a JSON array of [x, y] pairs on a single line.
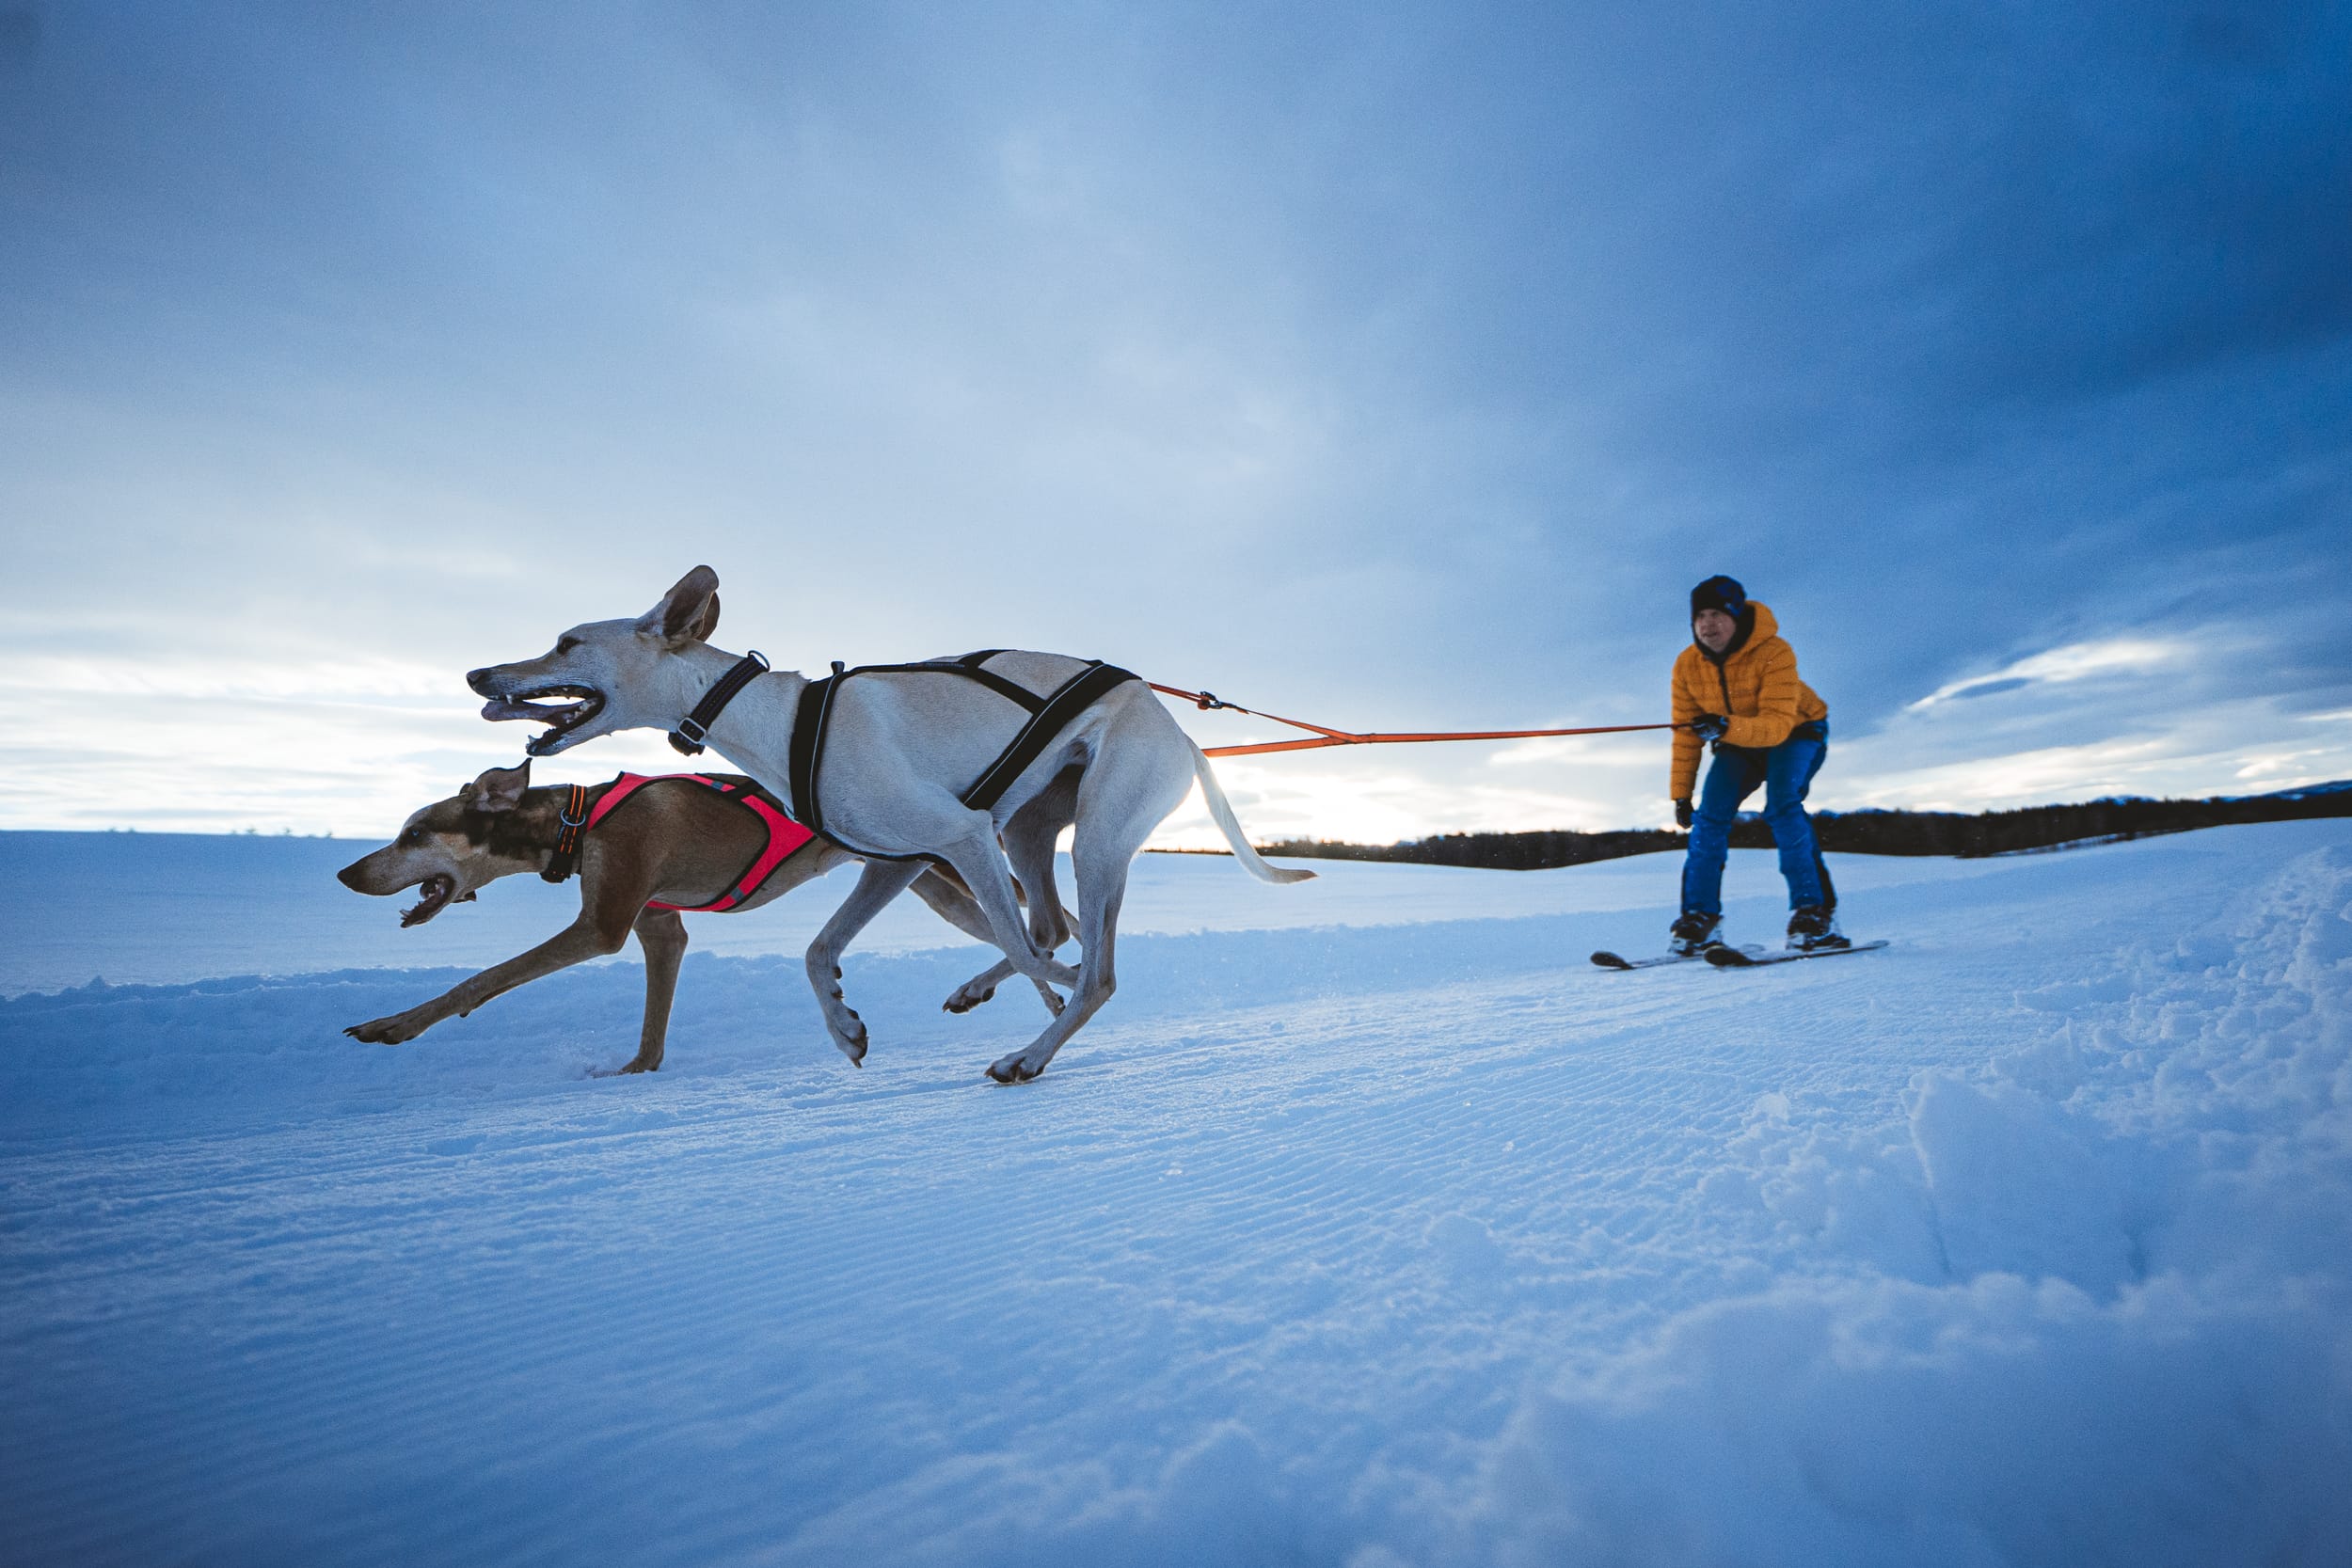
[[784, 834]]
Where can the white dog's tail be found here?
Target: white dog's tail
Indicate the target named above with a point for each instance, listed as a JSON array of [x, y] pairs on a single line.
[[1230, 825]]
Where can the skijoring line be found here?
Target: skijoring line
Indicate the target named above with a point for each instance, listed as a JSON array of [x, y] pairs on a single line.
[[1327, 736]]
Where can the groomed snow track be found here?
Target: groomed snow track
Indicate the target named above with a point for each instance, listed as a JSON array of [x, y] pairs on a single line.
[[2024, 1240]]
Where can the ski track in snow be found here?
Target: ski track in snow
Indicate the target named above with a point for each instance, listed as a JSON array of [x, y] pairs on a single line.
[[2023, 1241]]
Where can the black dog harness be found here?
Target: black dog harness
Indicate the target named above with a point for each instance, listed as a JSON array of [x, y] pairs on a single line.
[[1049, 716]]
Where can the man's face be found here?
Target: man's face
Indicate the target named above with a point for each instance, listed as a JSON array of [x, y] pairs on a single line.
[[1714, 629]]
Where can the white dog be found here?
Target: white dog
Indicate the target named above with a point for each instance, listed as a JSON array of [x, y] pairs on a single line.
[[902, 748]]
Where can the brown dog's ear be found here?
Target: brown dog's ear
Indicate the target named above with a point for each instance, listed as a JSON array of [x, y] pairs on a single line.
[[500, 789], [685, 608]]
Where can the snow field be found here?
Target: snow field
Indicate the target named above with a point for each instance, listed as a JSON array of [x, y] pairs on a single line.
[[2022, 1242], [162, 908]]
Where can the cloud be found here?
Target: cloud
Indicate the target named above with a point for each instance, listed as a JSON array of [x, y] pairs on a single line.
[[1406, 371], [2121, 656], [2217, 749]]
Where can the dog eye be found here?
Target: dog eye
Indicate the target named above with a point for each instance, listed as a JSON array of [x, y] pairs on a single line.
[[565, 644]]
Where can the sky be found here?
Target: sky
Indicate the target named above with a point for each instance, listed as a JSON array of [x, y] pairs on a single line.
[[1396, 367]]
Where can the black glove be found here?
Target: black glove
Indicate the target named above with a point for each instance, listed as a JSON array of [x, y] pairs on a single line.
[[1709, 726], [1682, 813]]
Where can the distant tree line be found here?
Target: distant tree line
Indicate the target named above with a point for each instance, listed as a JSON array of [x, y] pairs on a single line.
[[1862, 832]]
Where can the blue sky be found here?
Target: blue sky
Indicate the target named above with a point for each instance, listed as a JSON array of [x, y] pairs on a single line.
[[1396, 367]]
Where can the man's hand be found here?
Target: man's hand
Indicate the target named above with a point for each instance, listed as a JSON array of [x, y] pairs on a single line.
[[1682, 813], [1709, 726]]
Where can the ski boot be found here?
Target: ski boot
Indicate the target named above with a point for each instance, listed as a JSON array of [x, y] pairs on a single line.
[[1813, 929], [1693, 934]]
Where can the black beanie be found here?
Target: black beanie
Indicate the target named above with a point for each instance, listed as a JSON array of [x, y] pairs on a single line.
[[1719, 593]]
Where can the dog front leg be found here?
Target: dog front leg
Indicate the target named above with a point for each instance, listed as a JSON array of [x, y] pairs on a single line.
[[576, 943], [877, 885], [662, 935]]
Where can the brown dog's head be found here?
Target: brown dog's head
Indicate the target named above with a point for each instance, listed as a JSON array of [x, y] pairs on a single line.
[[451, 848], [612, 671]]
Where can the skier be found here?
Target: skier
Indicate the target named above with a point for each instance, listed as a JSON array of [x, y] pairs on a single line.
[[1736, 686]]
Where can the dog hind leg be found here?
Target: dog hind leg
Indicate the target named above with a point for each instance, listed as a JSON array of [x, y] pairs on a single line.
[[1028, 839], [1127, 792], [951, 903]]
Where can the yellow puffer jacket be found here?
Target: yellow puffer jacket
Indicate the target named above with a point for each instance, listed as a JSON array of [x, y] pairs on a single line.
[[1755, 686]]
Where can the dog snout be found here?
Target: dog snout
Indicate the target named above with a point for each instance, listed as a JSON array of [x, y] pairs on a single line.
[[480, 680], [349, 876]]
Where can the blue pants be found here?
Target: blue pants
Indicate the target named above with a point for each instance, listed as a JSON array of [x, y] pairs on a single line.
[[1786, 772]]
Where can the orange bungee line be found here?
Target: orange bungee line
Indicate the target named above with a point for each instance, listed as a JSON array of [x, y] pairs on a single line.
[[1325, 737]]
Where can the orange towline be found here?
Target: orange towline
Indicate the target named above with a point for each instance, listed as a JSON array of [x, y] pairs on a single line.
[[1328, 736]]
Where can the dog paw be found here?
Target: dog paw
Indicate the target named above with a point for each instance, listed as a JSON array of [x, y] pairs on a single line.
[[965, 999], [1013, 1070], [385, 1030]]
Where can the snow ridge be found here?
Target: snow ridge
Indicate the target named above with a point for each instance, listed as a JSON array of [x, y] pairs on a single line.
[[2037, 1348]]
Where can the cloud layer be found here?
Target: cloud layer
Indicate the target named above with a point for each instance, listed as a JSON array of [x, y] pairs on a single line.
[[1400, 372]]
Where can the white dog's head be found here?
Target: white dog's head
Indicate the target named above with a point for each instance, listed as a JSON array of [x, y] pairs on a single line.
[[611, 669]]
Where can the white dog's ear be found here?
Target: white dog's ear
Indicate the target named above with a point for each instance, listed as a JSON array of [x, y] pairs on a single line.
[[688, 612], [500, 789]]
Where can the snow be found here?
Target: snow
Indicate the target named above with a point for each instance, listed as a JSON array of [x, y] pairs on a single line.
[[1369, 1225]]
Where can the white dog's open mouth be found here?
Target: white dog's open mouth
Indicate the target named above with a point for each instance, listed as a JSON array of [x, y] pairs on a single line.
[[437, 888], [560, 719]]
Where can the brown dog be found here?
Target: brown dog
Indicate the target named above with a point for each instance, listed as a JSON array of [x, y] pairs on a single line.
[[673, 842]]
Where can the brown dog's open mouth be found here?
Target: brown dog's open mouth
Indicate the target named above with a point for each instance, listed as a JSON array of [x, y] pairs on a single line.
[[560, 720], [437, 888]]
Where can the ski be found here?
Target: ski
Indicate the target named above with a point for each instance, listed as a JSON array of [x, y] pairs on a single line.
[[1613, 960], [1740, 957]]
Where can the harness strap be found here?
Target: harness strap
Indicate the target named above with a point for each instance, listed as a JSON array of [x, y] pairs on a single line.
[[1049, 716], [687, 736], [626, 786], [574, 818], [784, 834], [1072, 697], [808, 746], [970, 666]]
